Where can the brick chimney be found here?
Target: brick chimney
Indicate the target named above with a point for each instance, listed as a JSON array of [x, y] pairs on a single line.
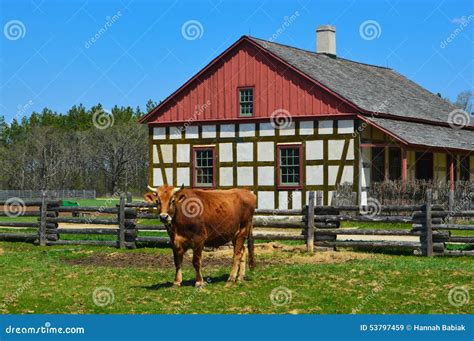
[[326, 40]]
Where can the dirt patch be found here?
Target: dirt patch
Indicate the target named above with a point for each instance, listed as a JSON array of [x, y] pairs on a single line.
[[284, 254]]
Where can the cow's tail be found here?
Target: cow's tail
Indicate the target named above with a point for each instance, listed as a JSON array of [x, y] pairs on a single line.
[[251, 248]]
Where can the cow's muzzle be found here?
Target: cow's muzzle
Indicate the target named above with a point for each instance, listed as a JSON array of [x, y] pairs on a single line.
[[165, 218]]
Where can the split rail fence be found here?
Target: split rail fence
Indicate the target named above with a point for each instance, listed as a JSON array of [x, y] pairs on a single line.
[[315, 225]]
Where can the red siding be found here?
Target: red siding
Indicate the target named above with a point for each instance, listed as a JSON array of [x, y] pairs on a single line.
[[276, 86]]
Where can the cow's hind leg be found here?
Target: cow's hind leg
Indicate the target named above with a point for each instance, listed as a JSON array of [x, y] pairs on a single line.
[[178, 261], [238, 251], [242, 264], [197, 259]]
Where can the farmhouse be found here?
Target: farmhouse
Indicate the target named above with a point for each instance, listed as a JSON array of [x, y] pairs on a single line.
[[284, 121]]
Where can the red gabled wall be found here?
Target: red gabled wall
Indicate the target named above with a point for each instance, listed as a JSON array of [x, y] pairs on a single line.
[[276, 86]]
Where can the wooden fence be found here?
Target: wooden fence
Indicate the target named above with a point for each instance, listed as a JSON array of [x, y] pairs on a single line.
[[51, 194], [315, 225]]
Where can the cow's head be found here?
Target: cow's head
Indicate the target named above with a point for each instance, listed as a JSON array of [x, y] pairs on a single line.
[[165, 199]]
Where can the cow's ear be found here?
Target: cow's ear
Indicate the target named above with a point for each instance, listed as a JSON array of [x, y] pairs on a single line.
[[150, 197], [180, 198], [182, 187]]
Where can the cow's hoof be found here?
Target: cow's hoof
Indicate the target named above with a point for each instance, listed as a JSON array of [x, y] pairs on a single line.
[[241, 278], [176, 284], [229, 284], [199, 285]]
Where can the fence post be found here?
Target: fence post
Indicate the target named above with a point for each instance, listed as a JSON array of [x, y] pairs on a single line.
[[310, 223], [42, 223], [450, 206], [129, 197], [121, 221], [428, 233]]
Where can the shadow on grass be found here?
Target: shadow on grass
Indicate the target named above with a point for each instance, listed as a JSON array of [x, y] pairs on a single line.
[[188, 283]]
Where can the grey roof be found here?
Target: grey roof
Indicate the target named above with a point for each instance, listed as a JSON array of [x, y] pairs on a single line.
[[427, 134], [372, 88]]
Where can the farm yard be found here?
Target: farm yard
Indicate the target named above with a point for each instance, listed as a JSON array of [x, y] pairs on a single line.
[[60, 280], [288, 279]]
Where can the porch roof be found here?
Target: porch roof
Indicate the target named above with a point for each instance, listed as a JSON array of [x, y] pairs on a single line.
[[426, 135]]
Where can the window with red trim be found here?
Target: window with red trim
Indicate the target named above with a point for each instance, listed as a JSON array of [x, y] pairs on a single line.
[[289, 166], [204, 166]]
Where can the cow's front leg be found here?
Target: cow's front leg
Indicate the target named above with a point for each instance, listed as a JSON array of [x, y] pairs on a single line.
[[197, 259], [178, 261]]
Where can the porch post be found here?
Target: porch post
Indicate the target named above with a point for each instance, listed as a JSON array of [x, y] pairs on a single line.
[[451, 172], [404, 169]]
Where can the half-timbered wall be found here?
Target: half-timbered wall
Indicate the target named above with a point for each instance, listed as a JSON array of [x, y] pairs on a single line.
[[246, 156]]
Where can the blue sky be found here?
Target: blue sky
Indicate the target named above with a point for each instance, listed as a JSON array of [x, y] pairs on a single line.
[[47, 58]]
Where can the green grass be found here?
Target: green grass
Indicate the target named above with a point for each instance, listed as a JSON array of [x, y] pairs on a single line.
[[43, 280]]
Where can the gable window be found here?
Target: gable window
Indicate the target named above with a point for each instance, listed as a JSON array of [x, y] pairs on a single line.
[[289, 166], [204, 166], [424, 166], [246, 102], [395, 162], [378, 164], [465, 168]]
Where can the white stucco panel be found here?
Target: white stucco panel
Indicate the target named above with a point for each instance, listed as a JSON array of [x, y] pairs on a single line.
[[296, 199], [335, 148], [183, 153], [332, 176], [283, 200], [245, 176], [266, 176], [225, 152], [169, 176], [314, 175], [167, 153], [266, 199], [183, 176], [348, 174], [155, 154], [245, 151], [157, 177], [314, 150], [226, 176], [265, 151], [350, 151]]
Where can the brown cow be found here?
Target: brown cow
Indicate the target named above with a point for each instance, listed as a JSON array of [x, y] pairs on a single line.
[[196, 218]]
